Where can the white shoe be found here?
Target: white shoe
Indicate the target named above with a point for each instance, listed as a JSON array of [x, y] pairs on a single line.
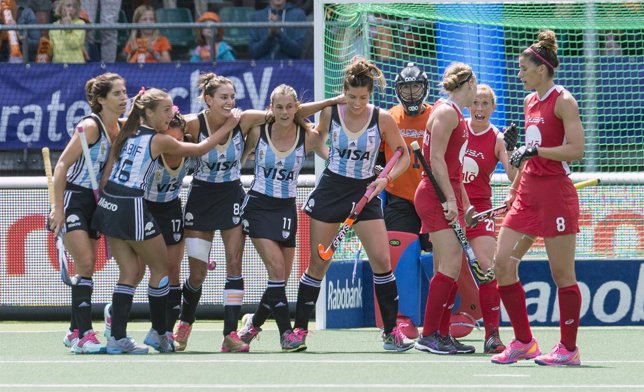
[[161, 343], [89, 344], [107, 316], [125, 345]]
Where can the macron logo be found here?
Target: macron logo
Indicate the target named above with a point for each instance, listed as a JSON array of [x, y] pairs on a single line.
[[569, 321]]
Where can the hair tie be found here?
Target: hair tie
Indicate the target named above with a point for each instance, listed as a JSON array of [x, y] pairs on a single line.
[[175, 109], [541, 58], [141, 91]]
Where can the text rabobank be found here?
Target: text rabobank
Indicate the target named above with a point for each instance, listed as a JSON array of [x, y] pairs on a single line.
[[345, 296]]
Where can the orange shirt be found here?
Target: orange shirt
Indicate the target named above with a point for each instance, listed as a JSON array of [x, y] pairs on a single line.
[[412, 128], [160, 45]]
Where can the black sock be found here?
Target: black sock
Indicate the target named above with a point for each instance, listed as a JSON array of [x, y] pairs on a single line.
[[262, 313], [121, 306], [82, 304], [233, 298], [387, 295], [191, 297], [158, 299], [307, 295], [174, 306], [276, 296]]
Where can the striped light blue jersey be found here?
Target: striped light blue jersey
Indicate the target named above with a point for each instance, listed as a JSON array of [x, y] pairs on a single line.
[[222, 163], [276, 172], [135, 165], [99, 151], [165, 183], [352, 154]]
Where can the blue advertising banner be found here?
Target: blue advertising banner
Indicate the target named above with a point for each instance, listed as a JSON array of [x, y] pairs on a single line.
[[41, 103]]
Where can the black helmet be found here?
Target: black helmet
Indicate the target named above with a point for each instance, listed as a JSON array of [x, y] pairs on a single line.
[[411, 88]]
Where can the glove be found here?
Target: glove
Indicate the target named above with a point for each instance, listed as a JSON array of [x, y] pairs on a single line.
[[521, 154], [511, 136]]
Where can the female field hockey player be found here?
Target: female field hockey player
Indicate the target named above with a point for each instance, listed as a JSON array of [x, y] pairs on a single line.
[[543, 202], [354, 130], [444, 147], [74, 201], [126, 220]]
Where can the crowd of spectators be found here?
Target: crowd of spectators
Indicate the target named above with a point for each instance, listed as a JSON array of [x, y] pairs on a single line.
[[149, 45]]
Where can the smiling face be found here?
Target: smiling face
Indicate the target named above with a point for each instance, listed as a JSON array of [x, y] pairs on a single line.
[[222, 101], [116, 99], [357, 99], [159, 117], [482, 107]]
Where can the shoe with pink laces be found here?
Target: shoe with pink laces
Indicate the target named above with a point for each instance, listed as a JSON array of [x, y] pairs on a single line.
[[516, 351], [292, 341], [233, 344], [407, 327], [71, 337], [181, 336], [397, 341], [88, 344], [248, 332], [559, 356]]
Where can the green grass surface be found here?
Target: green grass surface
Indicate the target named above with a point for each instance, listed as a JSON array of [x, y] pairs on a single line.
[[34, 359]]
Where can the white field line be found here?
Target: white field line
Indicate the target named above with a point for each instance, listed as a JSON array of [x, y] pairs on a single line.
[[108, 359]]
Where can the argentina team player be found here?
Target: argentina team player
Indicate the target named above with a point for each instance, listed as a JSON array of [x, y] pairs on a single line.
[[126, 220], [269, 214]]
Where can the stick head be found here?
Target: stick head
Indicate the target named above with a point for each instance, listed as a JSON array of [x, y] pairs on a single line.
[[325, 254], [469, 217]]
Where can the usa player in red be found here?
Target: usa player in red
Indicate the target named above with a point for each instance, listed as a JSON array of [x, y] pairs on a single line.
[[485, 148], [444, 147], [544, 203]]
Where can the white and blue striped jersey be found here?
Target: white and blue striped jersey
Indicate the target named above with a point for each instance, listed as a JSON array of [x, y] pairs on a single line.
[[352, 154], [165, 182], [276, 172], [99, 151], [135, 165], [222, 163]]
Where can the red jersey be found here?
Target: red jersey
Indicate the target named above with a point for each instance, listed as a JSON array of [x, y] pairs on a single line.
[[479, 163], [412, 128], [456, 146], [544, 129]]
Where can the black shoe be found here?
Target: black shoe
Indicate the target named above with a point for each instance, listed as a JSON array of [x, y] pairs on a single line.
[[458, 346], [435, 344]]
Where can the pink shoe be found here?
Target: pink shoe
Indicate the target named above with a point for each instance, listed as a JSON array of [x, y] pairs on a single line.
[[181, 336], [559, 356], [233, 344], [516, 350], [407, 327], [71, 337], [248, 332]]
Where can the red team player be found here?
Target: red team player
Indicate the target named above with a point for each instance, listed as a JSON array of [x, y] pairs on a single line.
[[444, 149], [485, 148], [544, 203]]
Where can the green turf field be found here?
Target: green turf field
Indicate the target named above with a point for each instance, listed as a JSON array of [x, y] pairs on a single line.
[[34, 359]]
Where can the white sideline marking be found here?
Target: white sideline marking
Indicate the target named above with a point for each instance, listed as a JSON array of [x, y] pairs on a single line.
[[325, 386], [109, 359], [500, 375]]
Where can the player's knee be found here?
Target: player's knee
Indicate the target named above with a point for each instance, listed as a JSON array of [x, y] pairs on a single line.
[[198, 249], [504, 266]]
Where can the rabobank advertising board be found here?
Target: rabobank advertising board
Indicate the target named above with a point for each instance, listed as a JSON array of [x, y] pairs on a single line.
[[41, 103], [612, 294]]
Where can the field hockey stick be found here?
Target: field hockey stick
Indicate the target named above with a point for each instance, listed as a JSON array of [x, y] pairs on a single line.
[[326, 253], [60, 246], [355, 262], [92, 176], [481, 276], [472, 218]]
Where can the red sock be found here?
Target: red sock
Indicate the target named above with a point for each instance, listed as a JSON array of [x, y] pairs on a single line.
[[490, 306], [569, 308], [447, 312], [513, 298], [440, 288]]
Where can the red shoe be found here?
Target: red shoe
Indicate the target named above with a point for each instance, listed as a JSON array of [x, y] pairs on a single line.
[[407, 327]]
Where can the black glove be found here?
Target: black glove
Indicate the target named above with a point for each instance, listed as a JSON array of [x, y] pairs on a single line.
[[511, 136], [521, 154]]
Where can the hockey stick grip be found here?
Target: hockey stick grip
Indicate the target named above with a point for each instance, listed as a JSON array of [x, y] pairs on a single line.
[[48, 172]]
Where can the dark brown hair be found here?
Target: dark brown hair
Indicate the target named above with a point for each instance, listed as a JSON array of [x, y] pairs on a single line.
[[99, 87], [544, 51]]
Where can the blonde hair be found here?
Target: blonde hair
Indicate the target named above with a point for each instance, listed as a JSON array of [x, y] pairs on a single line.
[[456, 75], [136, 16], [285, 89], [362, 73], [209, 83], [486, 89], [58, 8], [147, 100]]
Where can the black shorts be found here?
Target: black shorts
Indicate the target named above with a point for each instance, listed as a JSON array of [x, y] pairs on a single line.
[[122, 213], [271, 218], [334, 197], [79, 209], [213, 206], [400, 215], [169, 217]]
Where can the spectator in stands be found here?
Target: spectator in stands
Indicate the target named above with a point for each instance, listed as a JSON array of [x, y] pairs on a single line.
[[147, 45], [42, 9], [223, 51], [109, 14], [277, 42], [68, 46], [21, 15]]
